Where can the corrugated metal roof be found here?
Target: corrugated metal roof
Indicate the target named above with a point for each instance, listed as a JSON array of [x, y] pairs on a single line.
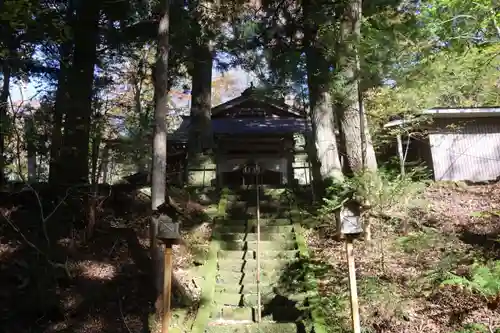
[[474, 112]]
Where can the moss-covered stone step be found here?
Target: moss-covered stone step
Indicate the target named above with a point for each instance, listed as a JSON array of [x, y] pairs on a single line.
[[250, 288], [253, 222], [243, 255], [222, 254], [253, 328], [229, 277], [252, 245], [251, 300], [264, 236], [268, 210], [250, 265], [232, 313], [243, 228], [253, 203]]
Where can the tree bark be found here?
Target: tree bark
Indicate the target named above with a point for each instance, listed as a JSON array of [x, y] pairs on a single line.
[[30, 148], [104, 169], [75, 150], [325, 154], [4, 102], [201, 96], [159, 166], [200, 134], [355, 135], [61, 101]]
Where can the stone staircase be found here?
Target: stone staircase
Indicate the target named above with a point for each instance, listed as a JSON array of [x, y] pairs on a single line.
[[235, 298]]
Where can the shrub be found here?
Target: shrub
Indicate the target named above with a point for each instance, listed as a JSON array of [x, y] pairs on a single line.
[[475, 328], [384, 194]]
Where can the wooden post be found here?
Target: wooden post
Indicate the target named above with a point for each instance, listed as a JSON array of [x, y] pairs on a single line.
[[167, 286], [259, 305], [356, 326], [401, 154]]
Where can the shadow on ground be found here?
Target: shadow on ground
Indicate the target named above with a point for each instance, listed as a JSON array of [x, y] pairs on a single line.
[[487, 243], [65, 284]]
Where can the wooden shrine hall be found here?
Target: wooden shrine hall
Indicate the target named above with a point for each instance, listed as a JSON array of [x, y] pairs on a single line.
[[246, 130]]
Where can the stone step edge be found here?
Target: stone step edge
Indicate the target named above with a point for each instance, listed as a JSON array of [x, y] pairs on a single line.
[[254, 261], [251, 266], [252, 236], [251, 288], [238, 313], [251, 298], [270, 254], [253, 245], [250, 327]]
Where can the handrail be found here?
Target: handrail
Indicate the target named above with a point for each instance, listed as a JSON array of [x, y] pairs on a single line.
[[259, 305]]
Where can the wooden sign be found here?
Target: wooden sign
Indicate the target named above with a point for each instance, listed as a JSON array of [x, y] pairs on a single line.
[[350, 221], [168, 230], [251, 169]]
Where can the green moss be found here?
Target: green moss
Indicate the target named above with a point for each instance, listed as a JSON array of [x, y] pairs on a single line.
[[319, 323], [255, 328], [209, 272]]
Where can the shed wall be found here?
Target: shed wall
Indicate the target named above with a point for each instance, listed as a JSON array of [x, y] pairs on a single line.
[[466, 150]]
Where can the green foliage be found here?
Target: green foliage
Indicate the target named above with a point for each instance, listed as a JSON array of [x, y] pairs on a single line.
[[222, 207], [446, 80], [484, 279], [418, 241], [332, 308], [461, 22], [475, 328], [486, 214], [383, 192]]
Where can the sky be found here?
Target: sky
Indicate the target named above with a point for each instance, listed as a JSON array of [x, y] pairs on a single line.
[[30, 91]]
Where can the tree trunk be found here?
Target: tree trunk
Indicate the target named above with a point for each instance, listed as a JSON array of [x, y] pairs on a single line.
[[4, 102], [325, 159], [104, 169], [200, 136], [61, 102], [355, 135], [31, 148], [201, 105], [159, 166], [77, 127]]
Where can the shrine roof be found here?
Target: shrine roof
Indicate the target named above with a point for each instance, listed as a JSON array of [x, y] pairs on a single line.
[[258, 126], [251, 103], [247, 126], [250, 113]]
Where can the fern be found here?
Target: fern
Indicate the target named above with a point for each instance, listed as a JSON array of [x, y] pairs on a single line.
[[485, 280], [473, 328]]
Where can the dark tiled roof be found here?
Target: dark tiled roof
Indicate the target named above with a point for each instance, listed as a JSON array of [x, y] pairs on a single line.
[[258, 126], [246, 126]]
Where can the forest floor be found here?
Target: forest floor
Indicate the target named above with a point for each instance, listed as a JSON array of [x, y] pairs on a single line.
[[102, 284], [400, 276]]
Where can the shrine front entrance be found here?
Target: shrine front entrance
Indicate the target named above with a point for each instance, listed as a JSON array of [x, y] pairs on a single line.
[[271, 153], [238, 178]]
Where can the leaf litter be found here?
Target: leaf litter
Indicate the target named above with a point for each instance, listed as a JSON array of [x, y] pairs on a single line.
[[398, 275]]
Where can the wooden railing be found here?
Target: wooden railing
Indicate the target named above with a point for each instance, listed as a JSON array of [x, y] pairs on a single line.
[[257, 255]]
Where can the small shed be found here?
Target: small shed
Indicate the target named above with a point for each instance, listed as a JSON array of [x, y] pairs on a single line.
[[461, 144]]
